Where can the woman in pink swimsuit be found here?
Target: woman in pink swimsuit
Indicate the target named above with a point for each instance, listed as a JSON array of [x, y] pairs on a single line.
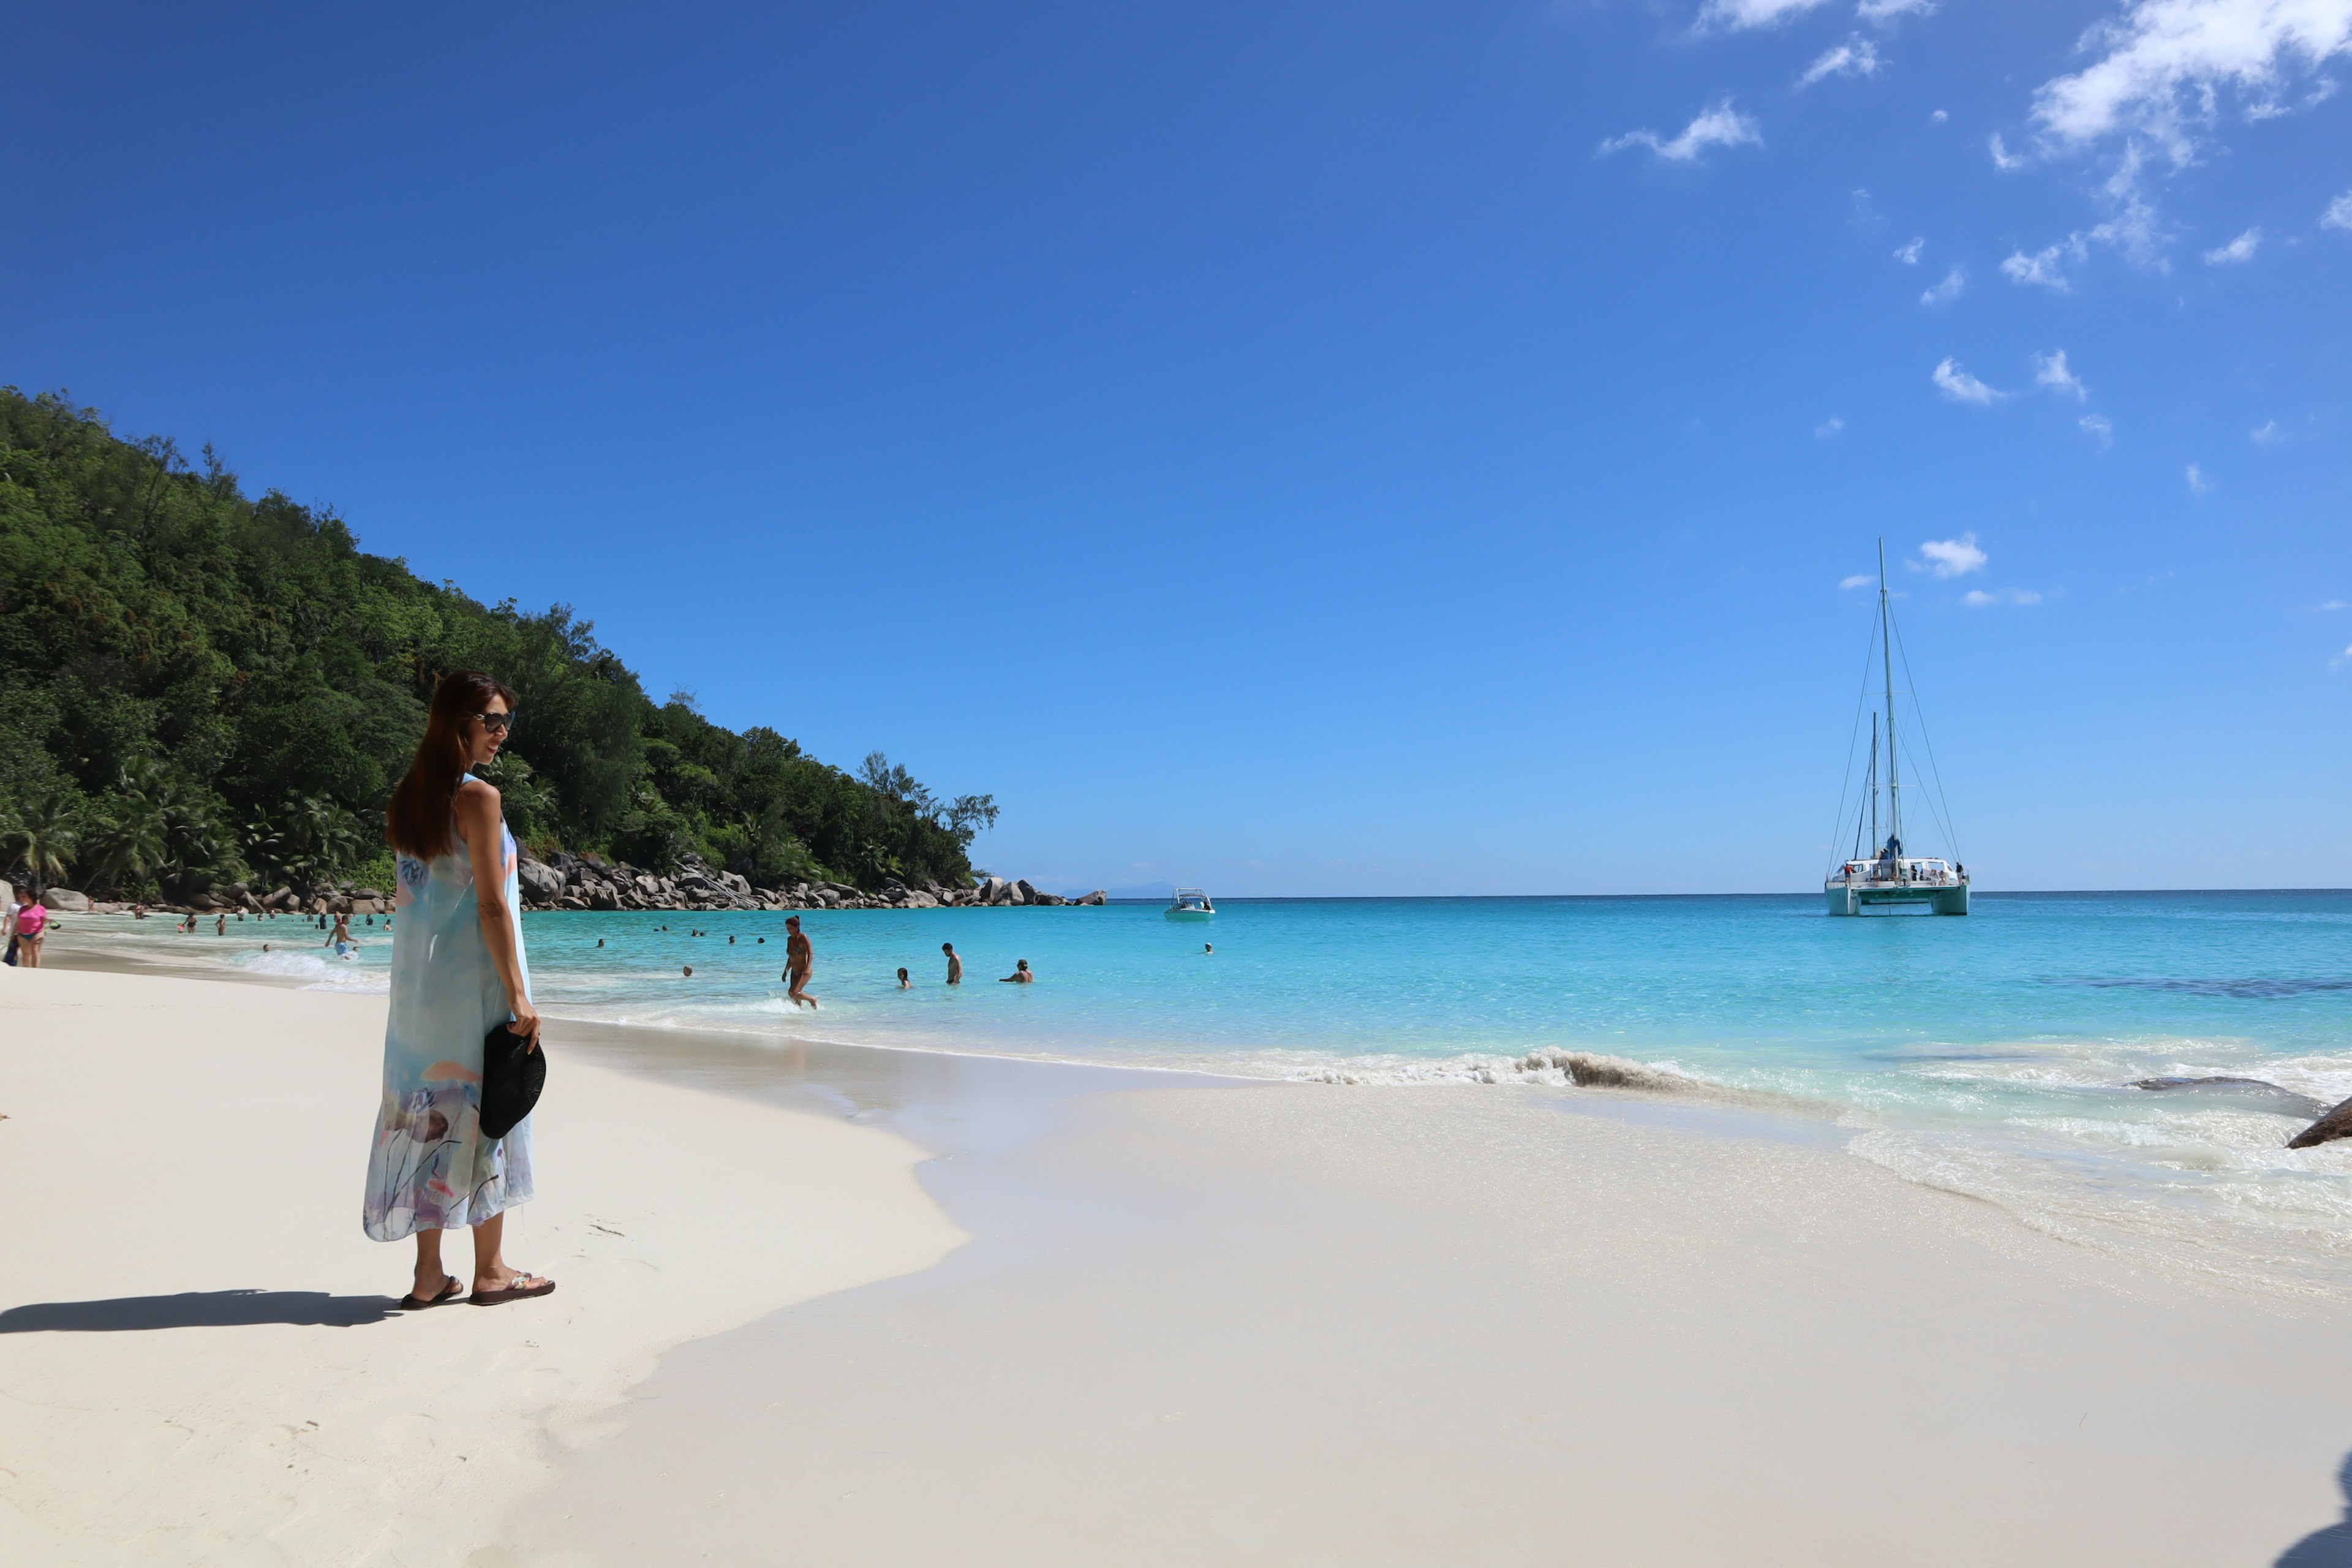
[[31, 925]]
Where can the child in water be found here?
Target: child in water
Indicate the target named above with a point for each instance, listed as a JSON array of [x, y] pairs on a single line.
[[905, 983]]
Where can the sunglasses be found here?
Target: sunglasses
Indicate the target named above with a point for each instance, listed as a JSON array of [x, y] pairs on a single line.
[[495, 723]]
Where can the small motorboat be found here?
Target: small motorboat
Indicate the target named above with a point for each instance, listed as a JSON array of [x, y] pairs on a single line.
[[1190, 904]]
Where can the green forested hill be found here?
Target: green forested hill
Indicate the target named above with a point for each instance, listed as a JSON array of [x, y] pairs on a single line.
[[196, 687]]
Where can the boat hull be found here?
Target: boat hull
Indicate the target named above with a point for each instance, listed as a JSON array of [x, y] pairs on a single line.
[[1947, 900], [1190, 914]]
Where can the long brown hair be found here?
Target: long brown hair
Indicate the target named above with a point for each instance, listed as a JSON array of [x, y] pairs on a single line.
[[418, 820]]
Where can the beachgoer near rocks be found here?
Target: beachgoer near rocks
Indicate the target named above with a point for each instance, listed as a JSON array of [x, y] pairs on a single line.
[[800, 958], [342, 930], [458, 971], [220, 925], [1020, 976], [955, 964]]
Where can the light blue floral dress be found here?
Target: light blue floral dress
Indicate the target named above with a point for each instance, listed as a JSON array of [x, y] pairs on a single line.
[[431, 1167]]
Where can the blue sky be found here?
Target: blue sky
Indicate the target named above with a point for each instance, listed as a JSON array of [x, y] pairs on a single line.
[[1297, 448]]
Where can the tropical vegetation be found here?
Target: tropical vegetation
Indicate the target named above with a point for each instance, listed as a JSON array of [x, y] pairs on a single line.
[[198, 687]]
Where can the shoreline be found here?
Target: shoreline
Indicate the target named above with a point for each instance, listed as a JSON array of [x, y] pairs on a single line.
[[1286, 1325], [2255, 1215], [1124, 1318]]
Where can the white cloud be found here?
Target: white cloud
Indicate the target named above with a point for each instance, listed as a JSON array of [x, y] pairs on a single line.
[[2043, 267], [1859, 580], [1952, 557], [1855, 57], [1829, 426], [1754, 13], [1949, 289], [1887, 10], [2334, 605], [2049, 370], [2101, 426], [2338, 214], [2198, 483], [1978, 598], [2162, 62], [1719, 126], [2241, 248], [2266, 433], [1960, 385], [1939, 117], [1909, 255], [2002, 158]]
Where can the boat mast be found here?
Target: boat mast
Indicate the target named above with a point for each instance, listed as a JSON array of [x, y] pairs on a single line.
[[1886, 652], [1873, 782]]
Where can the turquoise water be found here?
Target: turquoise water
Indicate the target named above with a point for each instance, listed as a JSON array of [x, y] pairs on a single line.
[[1993, 1055]]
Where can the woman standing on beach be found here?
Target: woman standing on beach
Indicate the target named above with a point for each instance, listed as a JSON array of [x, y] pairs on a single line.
[[456, 971], [32, 926]]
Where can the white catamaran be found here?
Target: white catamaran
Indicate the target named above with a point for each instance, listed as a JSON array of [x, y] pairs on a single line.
[[1886, 879]]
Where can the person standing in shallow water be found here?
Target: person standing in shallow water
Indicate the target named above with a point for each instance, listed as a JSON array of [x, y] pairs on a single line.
[[458, 970], [800, 958], [955, 964]]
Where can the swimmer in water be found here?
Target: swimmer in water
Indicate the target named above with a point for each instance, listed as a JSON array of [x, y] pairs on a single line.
[[1020, 976], [599, 942], [905, 983], [690, 971], [955, 964], [220, 925], [730, 941]]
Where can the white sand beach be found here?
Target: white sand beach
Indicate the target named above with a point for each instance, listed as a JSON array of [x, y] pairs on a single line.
[[1193, 1322], [198, 1353]]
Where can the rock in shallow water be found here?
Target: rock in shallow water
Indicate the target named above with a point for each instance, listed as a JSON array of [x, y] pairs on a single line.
[[2246, 1090], [2336, 1124]]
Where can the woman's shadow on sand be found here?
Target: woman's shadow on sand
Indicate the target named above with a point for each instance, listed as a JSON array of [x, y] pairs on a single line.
[[2329, 1548], [199, 1309]]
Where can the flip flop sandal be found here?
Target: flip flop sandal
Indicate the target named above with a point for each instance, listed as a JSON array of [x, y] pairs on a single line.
[[450, 1290], [525, 1285]]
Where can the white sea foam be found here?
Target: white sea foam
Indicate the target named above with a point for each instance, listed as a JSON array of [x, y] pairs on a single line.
[[319, 973], [1560, 1068]]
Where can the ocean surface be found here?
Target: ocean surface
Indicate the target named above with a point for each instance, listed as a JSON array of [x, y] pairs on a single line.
[[1994, 1055]]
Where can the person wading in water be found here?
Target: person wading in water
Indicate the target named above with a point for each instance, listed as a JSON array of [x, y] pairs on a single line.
[[799, 959]]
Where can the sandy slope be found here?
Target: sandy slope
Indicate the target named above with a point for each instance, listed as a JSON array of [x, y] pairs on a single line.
[[1414, 1328], [198, 1362]]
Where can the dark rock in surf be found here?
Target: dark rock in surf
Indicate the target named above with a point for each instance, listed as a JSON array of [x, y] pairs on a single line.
[[2285, 1101], [2336, 1124]]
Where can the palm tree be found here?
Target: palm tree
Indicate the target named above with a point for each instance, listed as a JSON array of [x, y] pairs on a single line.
[[133, 842], [41, 836]]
